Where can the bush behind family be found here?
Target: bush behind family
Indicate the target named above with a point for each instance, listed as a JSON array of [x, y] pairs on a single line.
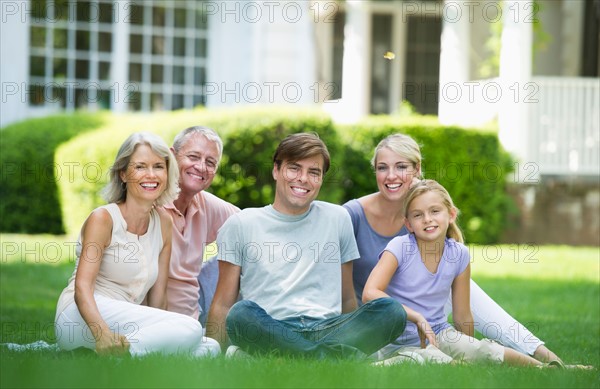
[[458, 158]]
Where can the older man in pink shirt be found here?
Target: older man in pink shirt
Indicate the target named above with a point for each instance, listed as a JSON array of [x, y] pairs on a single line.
[[197, 215]]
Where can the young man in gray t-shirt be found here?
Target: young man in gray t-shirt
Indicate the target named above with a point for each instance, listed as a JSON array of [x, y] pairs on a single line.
[[292, 263]]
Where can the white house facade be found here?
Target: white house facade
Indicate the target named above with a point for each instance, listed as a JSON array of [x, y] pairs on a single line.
[[532, 66], [451, 60]]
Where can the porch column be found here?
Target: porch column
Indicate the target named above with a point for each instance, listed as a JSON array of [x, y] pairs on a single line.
[[14, 72], [515, 73], [120, 64], [454, 62], [354, 103]]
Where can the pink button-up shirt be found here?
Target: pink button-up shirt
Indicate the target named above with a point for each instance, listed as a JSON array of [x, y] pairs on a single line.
[[191, 234]]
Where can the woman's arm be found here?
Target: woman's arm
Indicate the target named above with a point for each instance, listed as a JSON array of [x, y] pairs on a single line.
[[377, 283], [157, 295], [348, 296], [461, 303], [96, 236]]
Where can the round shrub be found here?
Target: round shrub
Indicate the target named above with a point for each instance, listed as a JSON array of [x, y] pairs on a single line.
[[28, 186]]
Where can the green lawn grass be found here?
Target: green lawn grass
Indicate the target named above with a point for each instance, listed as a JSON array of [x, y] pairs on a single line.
[[553, 290]]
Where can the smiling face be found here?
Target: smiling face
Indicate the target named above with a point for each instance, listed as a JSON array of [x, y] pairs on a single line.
[[394, 174], [197, 160], [146, 174], [428, 217], [297, 184]]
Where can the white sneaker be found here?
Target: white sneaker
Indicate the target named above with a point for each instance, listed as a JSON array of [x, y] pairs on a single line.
[[400, 358], [236, 352]]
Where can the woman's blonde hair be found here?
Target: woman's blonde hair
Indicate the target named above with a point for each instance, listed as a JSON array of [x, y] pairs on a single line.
[[425, 186], [401, 144], [116, 192]]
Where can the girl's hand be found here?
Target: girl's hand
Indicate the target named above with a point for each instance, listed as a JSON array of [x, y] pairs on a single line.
[[426, 333], [110, 343], [414, 182]]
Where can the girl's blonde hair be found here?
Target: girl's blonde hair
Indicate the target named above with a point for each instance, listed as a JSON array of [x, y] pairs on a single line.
[[425, 186]]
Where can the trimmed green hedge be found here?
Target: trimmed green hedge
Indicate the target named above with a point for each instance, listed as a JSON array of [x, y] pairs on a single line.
[[244, 177], [470, 163], [28, 188], [91, 155]]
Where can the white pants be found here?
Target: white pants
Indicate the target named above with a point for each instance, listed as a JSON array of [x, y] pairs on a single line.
[[495, 323], [147, 329]]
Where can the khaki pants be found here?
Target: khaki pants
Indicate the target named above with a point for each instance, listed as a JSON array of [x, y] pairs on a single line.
[[465, 348], [454, 345]]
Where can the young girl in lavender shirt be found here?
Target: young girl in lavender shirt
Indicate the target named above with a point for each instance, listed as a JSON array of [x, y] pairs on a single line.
[[377, 218], [420, 270]]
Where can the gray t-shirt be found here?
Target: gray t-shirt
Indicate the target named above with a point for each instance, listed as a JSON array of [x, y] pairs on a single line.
[[291, 265]]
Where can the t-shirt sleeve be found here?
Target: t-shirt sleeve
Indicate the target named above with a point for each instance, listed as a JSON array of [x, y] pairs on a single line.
[[348, 247], [229, 241], [350, 206], [218, 211], [394, 248], [400, 247], [458, 254], [465, 258]]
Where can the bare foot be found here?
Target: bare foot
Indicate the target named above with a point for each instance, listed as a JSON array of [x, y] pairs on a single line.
[[543, 354]]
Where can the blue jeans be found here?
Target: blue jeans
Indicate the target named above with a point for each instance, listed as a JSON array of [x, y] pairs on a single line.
[[207, 279], [351, 335]]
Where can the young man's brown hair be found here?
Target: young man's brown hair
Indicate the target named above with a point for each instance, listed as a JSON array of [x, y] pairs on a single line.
[[300, 146]]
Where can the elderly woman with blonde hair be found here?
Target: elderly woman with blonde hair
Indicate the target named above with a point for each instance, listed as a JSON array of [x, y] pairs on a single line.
[[115, 301]]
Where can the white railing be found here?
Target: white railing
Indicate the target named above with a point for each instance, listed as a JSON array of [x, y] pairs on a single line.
[[564, 126]]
